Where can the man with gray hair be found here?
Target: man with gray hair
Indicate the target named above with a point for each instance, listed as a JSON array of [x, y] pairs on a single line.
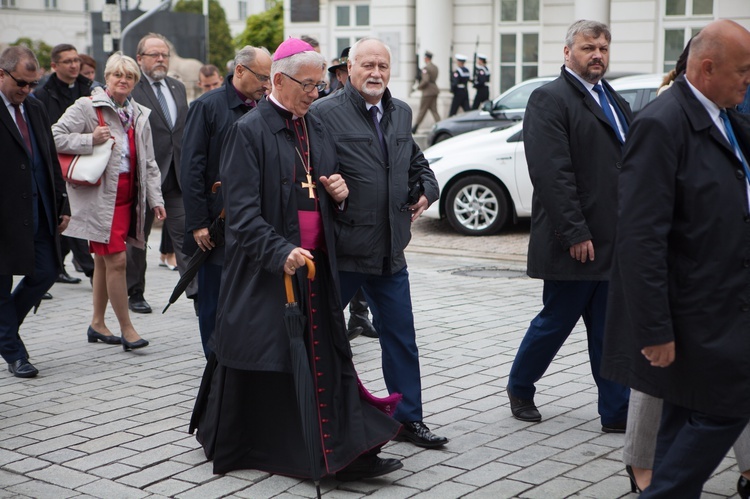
[[391, 185], [574, 129], [208, 121], [33, 204], [281, 189], [167, 99]]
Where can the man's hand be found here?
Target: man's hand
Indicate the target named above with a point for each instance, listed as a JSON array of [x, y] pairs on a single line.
[[418, 208], [64, 220], [203, 239], [583, 251], [660, 355], [335, 186], [296, 259]]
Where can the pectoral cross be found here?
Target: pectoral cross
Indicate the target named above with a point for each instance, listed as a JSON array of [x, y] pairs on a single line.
[[310, 186]]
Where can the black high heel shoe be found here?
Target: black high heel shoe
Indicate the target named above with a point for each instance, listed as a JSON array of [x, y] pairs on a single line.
[[743, 487], [126, 345], [95, 336], [633, 484]]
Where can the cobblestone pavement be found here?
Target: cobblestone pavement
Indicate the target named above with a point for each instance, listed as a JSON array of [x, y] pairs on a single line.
[[99, 422]]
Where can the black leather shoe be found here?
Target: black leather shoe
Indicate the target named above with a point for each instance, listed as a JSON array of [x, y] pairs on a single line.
[[352, 333], [743, 487], [362, 321], [615, 427], [368, 467], [139, 305], [22, 368], [65, 278], [47, 296], [417, 433], [109, 339], [523, 410], [126, 345]]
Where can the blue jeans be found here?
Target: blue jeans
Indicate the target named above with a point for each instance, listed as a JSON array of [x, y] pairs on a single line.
[[389, 298]]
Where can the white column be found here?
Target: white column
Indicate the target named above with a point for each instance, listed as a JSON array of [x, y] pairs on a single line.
[[434, 21], [593, 10]]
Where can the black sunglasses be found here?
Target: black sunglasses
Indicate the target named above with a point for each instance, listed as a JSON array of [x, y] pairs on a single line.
[[22, 83], [308, 87]]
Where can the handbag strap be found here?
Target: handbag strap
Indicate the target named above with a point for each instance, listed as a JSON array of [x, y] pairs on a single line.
[[101, 118]]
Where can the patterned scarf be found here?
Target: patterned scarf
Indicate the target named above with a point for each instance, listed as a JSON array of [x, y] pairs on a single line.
[[125, 112]]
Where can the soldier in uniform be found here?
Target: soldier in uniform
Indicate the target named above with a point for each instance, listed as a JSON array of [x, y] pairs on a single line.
[[459, 85], [430, 91], [481, 81]]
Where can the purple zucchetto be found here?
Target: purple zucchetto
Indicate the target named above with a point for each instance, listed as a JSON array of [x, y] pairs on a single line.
[[290, 47]]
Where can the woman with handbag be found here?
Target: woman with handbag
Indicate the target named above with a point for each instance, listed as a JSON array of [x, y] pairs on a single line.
[[113, 211]]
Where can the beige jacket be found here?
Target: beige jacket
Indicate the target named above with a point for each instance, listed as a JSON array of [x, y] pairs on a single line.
[[92, 208]]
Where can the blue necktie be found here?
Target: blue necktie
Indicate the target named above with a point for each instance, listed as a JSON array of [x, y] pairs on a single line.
[[374, 113], [733, 141], [604, 102], [163, 104]]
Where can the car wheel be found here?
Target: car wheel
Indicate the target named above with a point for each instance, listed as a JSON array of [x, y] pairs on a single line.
[[443, 136], [477, 206]]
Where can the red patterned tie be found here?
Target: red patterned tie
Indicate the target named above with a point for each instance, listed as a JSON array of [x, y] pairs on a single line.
[[22, 127]]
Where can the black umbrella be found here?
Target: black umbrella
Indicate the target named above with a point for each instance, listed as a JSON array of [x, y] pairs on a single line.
[[216, 233], [295, 323]]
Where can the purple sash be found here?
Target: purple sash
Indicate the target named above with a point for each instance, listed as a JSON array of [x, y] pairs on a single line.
[[311, 230]]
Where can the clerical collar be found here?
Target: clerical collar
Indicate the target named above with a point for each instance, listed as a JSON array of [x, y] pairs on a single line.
[[245, 100], [278, 104]]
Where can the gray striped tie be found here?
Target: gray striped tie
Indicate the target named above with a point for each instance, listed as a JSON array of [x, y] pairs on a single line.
[[163, 103]]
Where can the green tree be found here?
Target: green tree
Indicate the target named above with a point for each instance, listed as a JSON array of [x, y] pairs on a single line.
[[40, 49], [265, 29], [220, 48]]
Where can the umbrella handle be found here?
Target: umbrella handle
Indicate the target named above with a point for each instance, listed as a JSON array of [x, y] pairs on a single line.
[[288, 280]]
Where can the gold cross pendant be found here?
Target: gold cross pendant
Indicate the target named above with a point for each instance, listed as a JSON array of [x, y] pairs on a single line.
[[309, 186]]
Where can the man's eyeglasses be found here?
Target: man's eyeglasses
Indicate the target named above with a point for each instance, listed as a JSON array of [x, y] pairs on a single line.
[[261, 78], [308, 87], [22, 83], [156, 55]]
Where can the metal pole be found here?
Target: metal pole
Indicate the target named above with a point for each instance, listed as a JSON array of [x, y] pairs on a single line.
[[207, 41]]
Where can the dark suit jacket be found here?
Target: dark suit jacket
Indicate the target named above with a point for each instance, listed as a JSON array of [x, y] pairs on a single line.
[[574, 159], [208, 122], [167, 142], [16, 208], [682, 259]]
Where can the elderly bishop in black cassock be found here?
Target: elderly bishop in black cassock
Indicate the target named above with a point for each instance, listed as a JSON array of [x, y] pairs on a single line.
[[281, 189]]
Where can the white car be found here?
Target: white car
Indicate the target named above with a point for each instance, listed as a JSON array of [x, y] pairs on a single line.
[[483, 177]]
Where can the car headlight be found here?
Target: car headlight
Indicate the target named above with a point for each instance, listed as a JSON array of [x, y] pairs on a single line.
[[432, 161]]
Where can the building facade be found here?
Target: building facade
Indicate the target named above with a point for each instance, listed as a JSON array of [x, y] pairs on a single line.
[[69, 21], [522, 38]]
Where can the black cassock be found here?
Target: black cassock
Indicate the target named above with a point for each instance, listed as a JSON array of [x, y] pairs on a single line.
[[248, 417]]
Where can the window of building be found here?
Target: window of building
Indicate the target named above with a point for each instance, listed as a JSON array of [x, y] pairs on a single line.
[[50, 4], [689, 7], [241, 10], [519, 10], [674, 43], [5, 4], [303, 11], [352, 15], [519, 58]]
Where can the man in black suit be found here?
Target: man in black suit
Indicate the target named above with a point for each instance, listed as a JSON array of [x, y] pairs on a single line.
[[167, 99], [678, 310], [209, 119], [32, 195], [574, 129]]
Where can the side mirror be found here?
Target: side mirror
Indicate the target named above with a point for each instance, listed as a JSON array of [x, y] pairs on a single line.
[[487, 106]]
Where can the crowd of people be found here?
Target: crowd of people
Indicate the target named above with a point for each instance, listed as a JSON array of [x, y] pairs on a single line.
[[298, 199]]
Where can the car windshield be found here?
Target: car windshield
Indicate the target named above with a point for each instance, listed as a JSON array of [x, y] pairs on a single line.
[[518, 98]]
